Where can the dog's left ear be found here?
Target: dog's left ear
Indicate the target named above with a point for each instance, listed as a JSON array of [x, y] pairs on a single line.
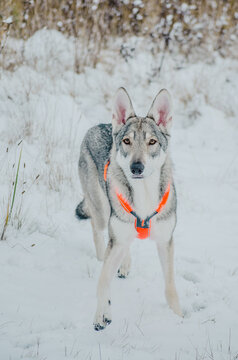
[[161, 109], [122, 108]]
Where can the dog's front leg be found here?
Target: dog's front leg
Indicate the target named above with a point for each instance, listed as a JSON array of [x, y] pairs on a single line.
[[165, 247], [166, 251], [118, 247]]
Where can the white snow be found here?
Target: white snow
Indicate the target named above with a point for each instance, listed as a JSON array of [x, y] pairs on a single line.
[[9, 20], [49, 271]]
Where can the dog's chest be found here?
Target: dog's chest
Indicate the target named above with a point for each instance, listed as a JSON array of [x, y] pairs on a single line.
[[145, 195]]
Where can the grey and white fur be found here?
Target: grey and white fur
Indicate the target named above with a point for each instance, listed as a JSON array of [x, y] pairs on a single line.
[[140, 169]]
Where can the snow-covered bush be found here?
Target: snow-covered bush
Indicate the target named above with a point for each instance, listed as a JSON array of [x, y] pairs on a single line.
[[184, 23]]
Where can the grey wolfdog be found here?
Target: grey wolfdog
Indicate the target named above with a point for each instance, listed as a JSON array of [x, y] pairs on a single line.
[[126, 175]]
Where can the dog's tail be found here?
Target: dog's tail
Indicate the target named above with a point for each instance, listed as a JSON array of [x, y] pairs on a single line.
[[80, 211]]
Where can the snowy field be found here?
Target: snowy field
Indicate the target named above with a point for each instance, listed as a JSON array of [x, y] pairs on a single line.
[[49, 271]]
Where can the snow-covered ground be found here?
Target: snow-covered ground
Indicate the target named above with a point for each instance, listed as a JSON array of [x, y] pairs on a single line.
[[49, 271]]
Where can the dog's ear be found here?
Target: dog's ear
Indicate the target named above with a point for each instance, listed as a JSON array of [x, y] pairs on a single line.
[[122, 108], [161, 109]]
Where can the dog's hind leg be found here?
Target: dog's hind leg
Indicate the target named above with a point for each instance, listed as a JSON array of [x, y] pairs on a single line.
[[98, 238], [99, 213], [95, 205], [99, 220]]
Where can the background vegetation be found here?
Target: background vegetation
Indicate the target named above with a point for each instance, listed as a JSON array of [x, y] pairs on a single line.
[[185, 23]]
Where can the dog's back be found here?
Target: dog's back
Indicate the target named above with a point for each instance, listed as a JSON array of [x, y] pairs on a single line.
[[96, 144]]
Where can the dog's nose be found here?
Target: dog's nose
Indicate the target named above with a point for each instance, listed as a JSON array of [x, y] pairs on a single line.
[[137, 168]]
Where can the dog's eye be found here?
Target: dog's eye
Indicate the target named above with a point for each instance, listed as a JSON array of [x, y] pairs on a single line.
[[126, 141], [152, 142]]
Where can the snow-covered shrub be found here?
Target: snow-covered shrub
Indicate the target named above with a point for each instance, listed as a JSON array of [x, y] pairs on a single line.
[[184, 23]]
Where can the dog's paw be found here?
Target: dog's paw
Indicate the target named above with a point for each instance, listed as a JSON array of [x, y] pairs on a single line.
[[102, 318], [122, 273], [101, 324], [124, 270]]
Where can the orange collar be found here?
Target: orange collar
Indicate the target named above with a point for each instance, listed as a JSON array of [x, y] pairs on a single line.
[[142, 226]]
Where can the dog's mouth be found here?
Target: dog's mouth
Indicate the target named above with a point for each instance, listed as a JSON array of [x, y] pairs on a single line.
[[137, 176]]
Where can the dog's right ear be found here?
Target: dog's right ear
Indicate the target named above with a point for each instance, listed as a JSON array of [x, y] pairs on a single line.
[[122, 108]]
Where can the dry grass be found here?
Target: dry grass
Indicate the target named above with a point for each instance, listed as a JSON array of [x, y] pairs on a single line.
[[187, 23], [14, 214], [11, 199]]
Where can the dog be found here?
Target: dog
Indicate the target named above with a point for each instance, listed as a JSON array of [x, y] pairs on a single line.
[[126, 176]]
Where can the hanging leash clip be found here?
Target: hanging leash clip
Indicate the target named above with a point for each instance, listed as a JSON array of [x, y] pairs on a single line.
[[142, 227]]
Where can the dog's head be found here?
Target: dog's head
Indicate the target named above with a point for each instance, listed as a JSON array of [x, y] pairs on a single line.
[[141, 143]]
